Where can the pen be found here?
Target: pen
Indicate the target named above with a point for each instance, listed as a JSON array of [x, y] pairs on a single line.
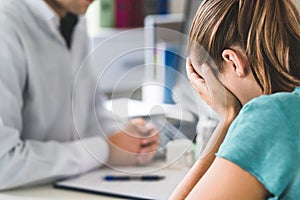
[[135, 178]]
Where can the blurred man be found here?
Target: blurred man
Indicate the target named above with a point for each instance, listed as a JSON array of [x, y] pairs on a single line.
[[42, 45]]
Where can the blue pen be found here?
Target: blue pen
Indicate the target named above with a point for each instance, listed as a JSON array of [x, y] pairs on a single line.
[[135, 178]]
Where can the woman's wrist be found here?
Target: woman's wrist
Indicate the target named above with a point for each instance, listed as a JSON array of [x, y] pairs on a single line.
[[230, 114]]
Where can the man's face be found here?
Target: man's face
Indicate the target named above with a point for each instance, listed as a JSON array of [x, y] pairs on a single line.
[[77, 7]]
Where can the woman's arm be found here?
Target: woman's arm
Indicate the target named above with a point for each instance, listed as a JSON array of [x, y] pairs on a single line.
[[215, 183], [202, 164], [225, 104]]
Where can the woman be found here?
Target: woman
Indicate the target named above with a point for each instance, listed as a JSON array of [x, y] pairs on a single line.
[[250, 80]]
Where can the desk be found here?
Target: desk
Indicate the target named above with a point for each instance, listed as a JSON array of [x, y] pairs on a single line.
[[47, 192], [127, 108]]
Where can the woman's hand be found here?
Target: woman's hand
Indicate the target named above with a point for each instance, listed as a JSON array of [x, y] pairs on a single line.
[[225, 104], [212, 91], [136, 144]]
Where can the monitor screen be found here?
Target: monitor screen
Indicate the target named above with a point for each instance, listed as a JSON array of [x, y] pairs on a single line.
[[190, 11], [172, 28]]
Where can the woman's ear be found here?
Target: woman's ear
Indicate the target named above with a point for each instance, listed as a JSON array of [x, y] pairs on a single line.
[[235, 61]]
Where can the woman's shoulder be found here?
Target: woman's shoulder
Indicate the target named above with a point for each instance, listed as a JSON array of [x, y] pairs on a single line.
[[279, 98], [283, 106], [264, 140], [269, 118]]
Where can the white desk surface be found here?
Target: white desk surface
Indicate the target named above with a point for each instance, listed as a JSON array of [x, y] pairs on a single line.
[[47, 192]]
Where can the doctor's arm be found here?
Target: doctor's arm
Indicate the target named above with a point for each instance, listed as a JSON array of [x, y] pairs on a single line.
[[136, 144], [26, 161], [131, 142]]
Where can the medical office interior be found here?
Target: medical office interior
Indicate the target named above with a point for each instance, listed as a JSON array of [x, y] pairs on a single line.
[[143, 71], [138, 49]]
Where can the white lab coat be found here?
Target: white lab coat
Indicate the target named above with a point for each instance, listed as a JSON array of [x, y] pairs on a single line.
[[48, 128]]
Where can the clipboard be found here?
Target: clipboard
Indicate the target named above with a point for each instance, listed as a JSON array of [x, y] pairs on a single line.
[[93, 182]]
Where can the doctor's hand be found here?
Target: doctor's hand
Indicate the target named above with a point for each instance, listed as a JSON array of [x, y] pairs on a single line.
[[135, 145], [212, 91]]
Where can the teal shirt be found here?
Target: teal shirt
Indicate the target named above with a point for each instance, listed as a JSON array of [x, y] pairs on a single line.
[[264, 140]]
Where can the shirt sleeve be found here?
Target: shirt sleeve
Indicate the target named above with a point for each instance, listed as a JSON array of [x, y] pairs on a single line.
[[263, 142], [101, 120], [24, 162]]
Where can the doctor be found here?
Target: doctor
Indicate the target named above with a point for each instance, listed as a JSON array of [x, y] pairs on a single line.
[[40, 140]]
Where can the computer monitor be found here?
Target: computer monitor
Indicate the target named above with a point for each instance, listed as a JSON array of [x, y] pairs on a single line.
[[162, 41], [183, 88], [167, 33], [190, 11], [163, 28]]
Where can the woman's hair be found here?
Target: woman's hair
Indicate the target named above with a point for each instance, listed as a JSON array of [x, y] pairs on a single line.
[[268, 31]]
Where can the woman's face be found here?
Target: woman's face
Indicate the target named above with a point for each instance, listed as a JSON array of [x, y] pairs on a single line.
[[239, 80], [235, 75]]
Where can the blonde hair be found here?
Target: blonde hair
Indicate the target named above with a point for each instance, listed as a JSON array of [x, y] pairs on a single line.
[[268, 31]]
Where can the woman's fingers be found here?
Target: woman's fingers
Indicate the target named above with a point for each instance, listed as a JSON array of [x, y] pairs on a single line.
[[210, 78], [189, 67], [197, 82], [192, 75]]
